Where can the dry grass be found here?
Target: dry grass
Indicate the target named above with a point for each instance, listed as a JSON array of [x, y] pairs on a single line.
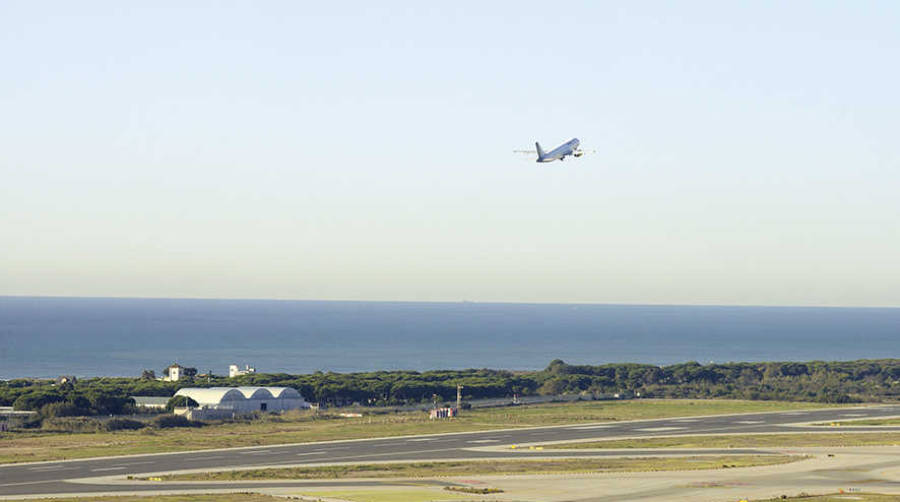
[[298, 427], [870, 421], [805, 439], [840, 497], [218, 497], [491, 468]]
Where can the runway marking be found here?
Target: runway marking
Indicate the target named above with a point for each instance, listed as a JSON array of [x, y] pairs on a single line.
[[140, 463], [256, 452], [25, 483], [749, 422], [107, 469], [207, 458], [320, 452], [49, 468], [660, 429], [794, 413], [853, 415], [686, 420], [420, 439], [591, 427], [484, 441], [354, 457]]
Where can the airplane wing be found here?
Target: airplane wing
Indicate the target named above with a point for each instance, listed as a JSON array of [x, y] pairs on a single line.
[[530, 152]]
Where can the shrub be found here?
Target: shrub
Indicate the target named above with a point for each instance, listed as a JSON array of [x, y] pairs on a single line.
[[168, 421], [72, 424], [180, 402], [119, 424], [36, 400], [63, 409], [29, 422], [106, 403]]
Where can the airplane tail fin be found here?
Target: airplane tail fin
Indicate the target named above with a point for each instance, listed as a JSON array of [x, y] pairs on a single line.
[[540, 150]]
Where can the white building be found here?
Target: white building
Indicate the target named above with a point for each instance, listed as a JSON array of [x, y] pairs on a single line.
[[173, 373], [227, 401], [234, 370]]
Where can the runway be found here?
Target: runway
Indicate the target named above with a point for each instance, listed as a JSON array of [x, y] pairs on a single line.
[[75, 476]]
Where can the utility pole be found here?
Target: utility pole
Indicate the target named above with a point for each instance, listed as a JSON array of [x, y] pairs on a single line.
[[458, 397]]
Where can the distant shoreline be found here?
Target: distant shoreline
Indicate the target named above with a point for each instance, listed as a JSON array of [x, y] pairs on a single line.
[[48, 337], [885, 360]]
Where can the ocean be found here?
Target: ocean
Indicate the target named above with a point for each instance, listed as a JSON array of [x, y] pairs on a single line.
[[47, 337]]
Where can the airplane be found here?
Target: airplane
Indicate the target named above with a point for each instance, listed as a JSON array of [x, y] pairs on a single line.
[[559, 153]]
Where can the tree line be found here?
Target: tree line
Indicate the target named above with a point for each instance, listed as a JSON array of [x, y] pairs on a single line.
[[845, 381]]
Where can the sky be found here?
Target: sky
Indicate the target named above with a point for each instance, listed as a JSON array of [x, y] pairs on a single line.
[[746, 152]]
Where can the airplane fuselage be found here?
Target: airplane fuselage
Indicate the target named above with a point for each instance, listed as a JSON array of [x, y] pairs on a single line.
[[561, 152]]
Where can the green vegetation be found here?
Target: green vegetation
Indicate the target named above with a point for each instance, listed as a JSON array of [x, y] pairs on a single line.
[[180, 402], [745, 441], [830, 382], [64, 400], [491, 468], [307, 426], [170, 421], [827, 382], [85, 424]]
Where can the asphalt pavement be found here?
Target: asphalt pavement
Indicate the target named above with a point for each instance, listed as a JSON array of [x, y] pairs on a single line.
[[75, 476]]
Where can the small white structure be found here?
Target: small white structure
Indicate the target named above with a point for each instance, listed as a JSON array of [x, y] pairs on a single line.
[[234, 370], [174, 373], [150, 402], [239, 400]]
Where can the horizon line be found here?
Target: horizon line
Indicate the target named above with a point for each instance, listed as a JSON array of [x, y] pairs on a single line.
[[452, 302]]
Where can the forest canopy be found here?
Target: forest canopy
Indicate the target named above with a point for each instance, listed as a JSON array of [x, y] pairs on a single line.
[[843, 381]]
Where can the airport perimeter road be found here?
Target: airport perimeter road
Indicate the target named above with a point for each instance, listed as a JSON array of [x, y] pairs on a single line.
[[48, 478]]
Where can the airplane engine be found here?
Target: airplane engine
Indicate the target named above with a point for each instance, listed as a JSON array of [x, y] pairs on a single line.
[[578, 153]]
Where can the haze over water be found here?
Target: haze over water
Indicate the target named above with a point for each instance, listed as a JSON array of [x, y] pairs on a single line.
[[46, 337]]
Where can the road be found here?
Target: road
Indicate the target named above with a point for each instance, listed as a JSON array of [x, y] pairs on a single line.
[[73, 476]]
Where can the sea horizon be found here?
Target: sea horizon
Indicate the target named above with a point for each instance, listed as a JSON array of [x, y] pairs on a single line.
[[47, 336], [451, 302]]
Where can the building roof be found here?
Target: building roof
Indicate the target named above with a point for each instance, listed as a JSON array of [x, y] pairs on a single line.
[[269, 392], [215, 395], [150, 400]]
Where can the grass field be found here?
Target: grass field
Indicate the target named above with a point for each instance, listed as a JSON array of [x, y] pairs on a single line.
[[397, 495], [873, 421], [307, 427], [224, 497], [840, 497], [491, 468], [745, 441]]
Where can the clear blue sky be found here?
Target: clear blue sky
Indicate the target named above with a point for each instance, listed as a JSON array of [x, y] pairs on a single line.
[[747, 152]]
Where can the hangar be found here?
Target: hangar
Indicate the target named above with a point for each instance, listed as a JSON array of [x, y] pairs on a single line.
[[245, 399]]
